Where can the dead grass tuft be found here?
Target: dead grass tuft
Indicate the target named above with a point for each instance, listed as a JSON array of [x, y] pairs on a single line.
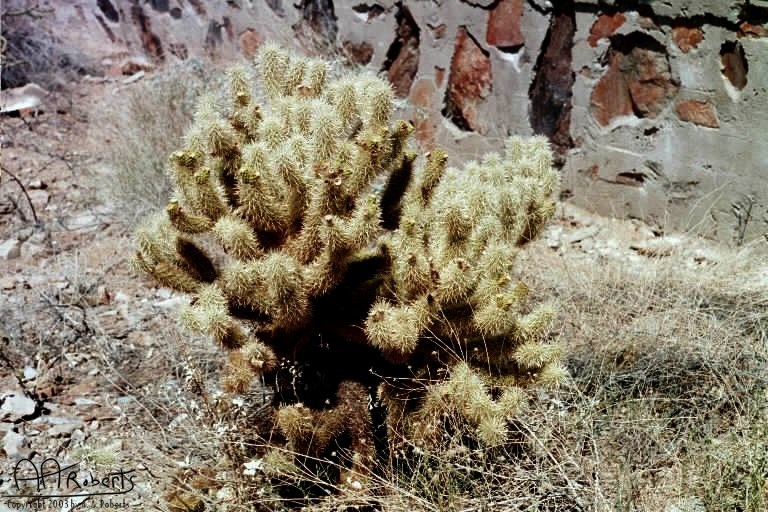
[[137, 128], [670, 368]]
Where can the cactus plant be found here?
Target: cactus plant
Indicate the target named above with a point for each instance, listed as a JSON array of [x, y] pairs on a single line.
[[368, 273]]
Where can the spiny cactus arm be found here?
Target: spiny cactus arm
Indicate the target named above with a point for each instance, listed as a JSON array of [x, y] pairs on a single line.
[[373, 147], [396, 329], [345, 99], [173, 277], [248, 361], [454, 227], [237, 238], [286, 300], [352, 410], [539, 213], [462, 398], [274, 64], [412, 274], [324, 273], [222, 140], [455, 282], [256, 203], [302, 116], [365, 223], [210, 315], [532, 355], [288, 165], [272, 132], [534, 325], [317, 76], [272, 288], [296, 422], [243, 285], [325, 128], [433, 172], [498, 316], [552, 375], [295, 76], [208, 200], [173, 260], [187, 222], [239, 87], [378, 97], [246, 114], [400, 135], [183, 166]]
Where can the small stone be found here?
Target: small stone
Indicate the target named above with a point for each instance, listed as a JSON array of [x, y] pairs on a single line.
[[747, 29], [121, 297], [7, 283], [133, 65], [39, 198], [164, 293], [124, 400], [587, 244], [10, 249], [358, 53], [31, 250], [17, 406], [38, 185], [638, 80], [580, 235], [13, 444], [84, 402], [39, 236], [30, 373], [57, 420], [23, 234], [102, 295], [170, 304], [84, 222], [64, 429], [135, 77]]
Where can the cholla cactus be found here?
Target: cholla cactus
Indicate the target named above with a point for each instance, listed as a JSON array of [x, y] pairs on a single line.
[[406, 293]]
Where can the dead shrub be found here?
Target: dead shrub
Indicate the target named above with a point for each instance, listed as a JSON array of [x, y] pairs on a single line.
[[138, 128]]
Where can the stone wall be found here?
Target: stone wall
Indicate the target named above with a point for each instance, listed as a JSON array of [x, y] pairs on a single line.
[[657, 109]]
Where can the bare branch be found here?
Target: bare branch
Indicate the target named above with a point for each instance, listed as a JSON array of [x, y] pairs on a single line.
[[24, 190]]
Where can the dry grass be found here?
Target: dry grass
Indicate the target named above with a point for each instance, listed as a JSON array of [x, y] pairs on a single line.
[[138, 127], [667, 406], [670, 373]]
